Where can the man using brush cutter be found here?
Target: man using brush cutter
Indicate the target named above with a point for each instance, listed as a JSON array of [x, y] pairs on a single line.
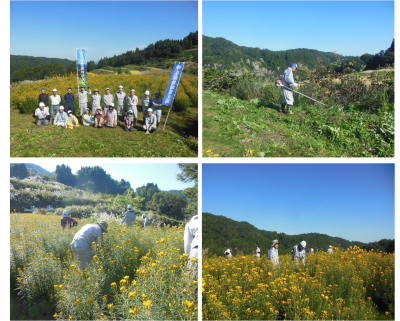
[[288, 81]]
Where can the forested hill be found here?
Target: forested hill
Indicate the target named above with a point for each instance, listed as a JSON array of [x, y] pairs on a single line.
[[23, 62], [221, 233]]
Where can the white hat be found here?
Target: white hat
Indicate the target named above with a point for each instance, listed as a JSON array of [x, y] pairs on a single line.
[[41, 105], [112, 104], [130, 111], [61, 107], [144, 216], [69, 112], [129, 206], [330, 246], [147, 92], [98, 108], [133, 90], [120, 87], [107, 88], [228, 250], [303, 243], [65, 212], [149, 110], [54, 89]]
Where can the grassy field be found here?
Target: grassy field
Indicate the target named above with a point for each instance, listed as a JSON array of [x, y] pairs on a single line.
[[179, 139], [238, 128], [346, 285], [137, 274]]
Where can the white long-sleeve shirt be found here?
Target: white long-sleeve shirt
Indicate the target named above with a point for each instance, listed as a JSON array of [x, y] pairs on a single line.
[[87, 235], [129, 218], [191, 237], [287, 78], [299, 255], [55, 100]]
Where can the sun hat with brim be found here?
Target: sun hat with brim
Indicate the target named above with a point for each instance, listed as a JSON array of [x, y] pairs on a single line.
[[103, 225], [275, 242], [96, 90]]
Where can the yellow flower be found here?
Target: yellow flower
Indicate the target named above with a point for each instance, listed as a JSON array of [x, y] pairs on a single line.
[[70, 317]]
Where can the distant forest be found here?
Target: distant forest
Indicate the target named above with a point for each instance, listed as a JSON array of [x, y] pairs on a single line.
[[221, 233], [224, 52]]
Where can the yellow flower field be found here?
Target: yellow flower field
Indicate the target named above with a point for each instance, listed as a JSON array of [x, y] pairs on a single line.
[[25, 96], [346, 285], [137, 273]]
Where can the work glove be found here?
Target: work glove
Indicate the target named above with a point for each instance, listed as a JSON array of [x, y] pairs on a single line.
[[295, 84]]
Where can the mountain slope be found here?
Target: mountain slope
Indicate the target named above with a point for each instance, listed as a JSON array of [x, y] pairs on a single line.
[[221, 233], [18, 62]]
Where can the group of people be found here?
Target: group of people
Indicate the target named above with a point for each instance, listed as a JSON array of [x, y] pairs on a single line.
[[298, 252], [92, 234], [64, 115]]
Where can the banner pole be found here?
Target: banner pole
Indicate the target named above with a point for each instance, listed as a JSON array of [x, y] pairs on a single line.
[[174, 95], [77, 79]]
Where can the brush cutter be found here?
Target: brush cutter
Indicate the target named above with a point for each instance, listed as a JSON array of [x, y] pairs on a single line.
[[279, 83]]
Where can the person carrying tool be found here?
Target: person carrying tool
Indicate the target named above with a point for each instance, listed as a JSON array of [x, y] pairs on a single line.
[[273, 254], [288, 81], [299, 252], [330, 250], [146, 220], [228, 254], [83, 240], [257, 251], [129, 217], [191, 240]]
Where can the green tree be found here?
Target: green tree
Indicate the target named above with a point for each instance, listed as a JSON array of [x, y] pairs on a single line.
[[189, 173], [64, 175], [19, 171], [170, 204], [91, 65]]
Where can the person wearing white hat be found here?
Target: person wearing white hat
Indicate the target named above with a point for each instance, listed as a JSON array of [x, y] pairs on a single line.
[[257, 252], [120, 97], [99, 118], [273, 254], [299, 252], [147, 103], [311, 251], [330, 250], [61, 118], [129, 121], [111, 117], [129, 217], [191, 240], [83, 100], [55, 103], [65, 219], [83, 240], [157, 107], [146, 221], [72, 121], [228, 254], [150, 122], [107, 99], [96, 101], [87, 119], [42, 115], [132, 104]]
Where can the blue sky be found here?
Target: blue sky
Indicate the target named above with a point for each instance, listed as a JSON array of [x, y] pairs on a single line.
[[137, 174], [347, 27], [352, 201], [106, 28]]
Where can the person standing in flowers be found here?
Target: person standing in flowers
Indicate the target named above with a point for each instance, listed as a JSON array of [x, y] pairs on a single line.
[[96, 101], [55, 103], [288, 81], [83, 100], [146, 220], [129, 217], [65, 219], [87, 236], [42, 115], [273, 254], [99, 118], [88, 120], [132, 104], [157, 107], [44, 98], [257, 252], [120, 97], [69, 100], [129, 121], [228, 254], [72, 121], [108, 99], [61, 118], [150, 122], [111, 117], [312, 251], [147, 103], [299, 252], [191, 239], [330, 250]]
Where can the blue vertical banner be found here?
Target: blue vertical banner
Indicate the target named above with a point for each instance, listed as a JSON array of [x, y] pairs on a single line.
[[173, 84], [82, 68]]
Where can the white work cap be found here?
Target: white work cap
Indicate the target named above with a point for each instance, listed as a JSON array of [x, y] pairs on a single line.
[[303, 243], [330, 245], [129, 206], [41, 105], [98, 108], [228, 250], [144, 216], [65, 212], [149, 110], [112, 104], [107, 88], [133, 90], [147, 92], [54, 89], [130, 111], [120, 87], [62, 107]]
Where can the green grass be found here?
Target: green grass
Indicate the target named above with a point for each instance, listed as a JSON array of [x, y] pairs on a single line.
[[178, 139], [237, 128]]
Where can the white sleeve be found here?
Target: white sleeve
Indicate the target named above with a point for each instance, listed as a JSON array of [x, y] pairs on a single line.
[[187, 239]]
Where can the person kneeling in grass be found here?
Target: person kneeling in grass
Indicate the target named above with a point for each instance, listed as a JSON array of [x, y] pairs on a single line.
[[42, 115], [61, 118], [129, 121], [99, 118], [87, 119], [72, 122], [150, 122], [111, 117]]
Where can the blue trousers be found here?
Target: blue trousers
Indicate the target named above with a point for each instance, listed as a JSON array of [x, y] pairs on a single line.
[[54, 108], [68, 106], [42, 122], [130, 129]]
